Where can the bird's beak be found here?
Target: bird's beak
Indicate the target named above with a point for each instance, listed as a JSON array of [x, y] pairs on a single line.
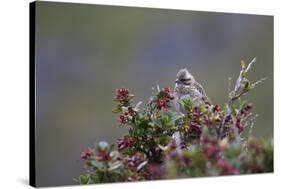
[[176, 81]]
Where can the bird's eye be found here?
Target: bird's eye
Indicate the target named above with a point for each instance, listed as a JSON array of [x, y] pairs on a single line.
[[185, 80]]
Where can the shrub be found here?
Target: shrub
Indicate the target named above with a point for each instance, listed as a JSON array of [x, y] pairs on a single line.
[[163, 143]]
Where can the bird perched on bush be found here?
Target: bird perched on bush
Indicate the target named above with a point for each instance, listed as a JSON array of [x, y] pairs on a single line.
[[186, 87]]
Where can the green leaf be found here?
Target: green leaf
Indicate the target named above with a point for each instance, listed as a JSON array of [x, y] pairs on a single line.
[[158, 123], [242, 104], [176, 116], [131, 132], [187, 103], [117, 109], [166, 118], [131, 96], [114, 165], [243, 65], [111, 147], [247, 85], [114, 155], [232, 152], [84, 179], [97, 164], [203, 108]]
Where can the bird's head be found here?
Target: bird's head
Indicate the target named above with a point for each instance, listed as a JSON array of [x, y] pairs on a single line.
[[184, 80]]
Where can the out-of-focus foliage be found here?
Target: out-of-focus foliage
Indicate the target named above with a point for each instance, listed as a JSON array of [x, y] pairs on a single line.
[[164, 143]]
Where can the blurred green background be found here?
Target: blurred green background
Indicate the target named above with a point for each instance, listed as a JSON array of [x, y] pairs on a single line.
[[84, 52]]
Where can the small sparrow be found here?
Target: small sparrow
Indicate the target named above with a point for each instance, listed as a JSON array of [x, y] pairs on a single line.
[[187, 87]]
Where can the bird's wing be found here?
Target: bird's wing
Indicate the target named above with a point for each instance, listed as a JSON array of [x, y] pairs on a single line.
[[202, 91]]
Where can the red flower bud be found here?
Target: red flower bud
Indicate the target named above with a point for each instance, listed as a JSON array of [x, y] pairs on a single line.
[[216, 108], [86, 154], [161, 103], [125, 142], [122, 94], [103, 155], [195, 128], [227, 168], [167, 90], [122, 119]]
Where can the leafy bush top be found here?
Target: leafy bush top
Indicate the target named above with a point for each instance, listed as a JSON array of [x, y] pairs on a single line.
[[164, 143]]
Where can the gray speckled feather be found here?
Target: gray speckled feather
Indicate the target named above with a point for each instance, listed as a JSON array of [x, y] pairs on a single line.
[[187, 87]]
